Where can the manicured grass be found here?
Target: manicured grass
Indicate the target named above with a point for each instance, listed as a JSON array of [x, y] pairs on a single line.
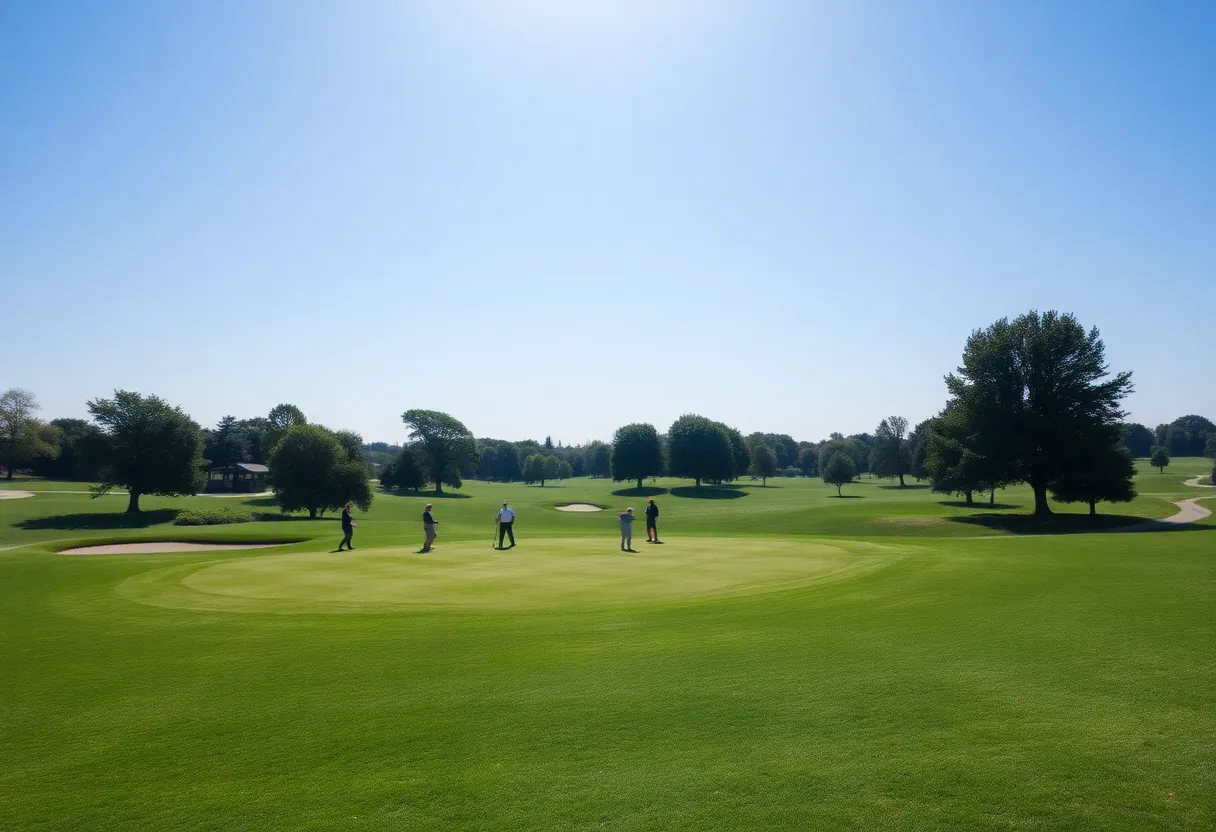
[[787, 660]]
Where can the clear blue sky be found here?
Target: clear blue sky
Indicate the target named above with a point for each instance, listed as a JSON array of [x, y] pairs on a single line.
[[553, 217]]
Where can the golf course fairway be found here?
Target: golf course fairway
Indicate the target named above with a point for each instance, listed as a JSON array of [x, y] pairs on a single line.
[[784, 660]]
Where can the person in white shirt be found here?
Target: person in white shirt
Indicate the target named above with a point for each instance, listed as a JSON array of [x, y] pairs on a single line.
[[506, 522]]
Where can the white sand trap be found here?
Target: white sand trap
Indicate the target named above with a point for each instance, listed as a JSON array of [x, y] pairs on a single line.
[[162, 547], [15, 495], [578, 507]]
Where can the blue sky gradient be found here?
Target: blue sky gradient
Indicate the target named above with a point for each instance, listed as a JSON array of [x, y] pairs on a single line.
[[553, 218]]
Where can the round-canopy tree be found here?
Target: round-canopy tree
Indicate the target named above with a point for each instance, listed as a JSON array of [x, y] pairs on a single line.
[[444, 443], [763, 462], [1027, 389], [147, 447], [839, 470], [1159, 458], [700, 449], [1101, 469], [636, 453], [312, 470]]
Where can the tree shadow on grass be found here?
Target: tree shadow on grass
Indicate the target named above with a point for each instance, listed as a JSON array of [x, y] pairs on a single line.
[[429, 495], [708, 492], [845, 497], [100, 520], [644, 491], [1057, 523], [910, 487], [984, 504]]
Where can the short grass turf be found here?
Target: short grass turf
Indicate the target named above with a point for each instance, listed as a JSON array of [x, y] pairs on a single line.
[[787, 660]]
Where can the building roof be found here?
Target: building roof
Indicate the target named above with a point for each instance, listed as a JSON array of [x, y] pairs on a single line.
[[251, 467]]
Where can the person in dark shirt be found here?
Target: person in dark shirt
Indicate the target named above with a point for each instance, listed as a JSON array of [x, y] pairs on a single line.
[[652, 519], [348, 528], [428, 526]]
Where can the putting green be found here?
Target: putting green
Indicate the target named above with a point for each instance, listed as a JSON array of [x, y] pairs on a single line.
[[544, 573]]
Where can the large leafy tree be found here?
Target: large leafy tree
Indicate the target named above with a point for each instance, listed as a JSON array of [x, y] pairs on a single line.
[[891, 453], [313, 470], [700, 449], [24, 438], [636, 453], [1138, 439], [1028, 388], [1100, 468], [839, 470], [763, 462], [146, 446], [280, 418], [445, 443]]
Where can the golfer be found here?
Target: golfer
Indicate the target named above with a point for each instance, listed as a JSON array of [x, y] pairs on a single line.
[[348, 528], [428, 525], [626, 521], [506, 522], [652, 519]]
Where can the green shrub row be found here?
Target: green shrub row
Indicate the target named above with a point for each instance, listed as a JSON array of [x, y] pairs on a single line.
[[213, 517]]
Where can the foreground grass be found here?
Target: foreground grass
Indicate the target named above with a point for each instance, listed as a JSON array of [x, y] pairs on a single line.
[[718, 682]]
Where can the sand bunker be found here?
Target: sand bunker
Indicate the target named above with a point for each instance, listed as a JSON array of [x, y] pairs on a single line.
[[15, 495], [162, 547], [578, 507]]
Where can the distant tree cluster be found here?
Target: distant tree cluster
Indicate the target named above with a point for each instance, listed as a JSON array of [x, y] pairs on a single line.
[[1186, 436], [1032, 401], [539, 468], [23, 437]]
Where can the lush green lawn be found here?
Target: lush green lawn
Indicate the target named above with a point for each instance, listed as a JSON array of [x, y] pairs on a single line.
[[787, 660]]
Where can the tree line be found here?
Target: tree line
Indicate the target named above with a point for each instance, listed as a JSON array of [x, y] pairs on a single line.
[[1033, 401]]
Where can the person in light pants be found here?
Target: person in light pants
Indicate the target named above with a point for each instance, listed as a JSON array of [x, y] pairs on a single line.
[[626, 521]]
